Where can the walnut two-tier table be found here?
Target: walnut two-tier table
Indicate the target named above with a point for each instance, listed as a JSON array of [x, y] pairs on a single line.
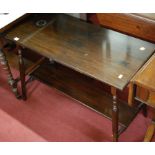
[[93, 51]]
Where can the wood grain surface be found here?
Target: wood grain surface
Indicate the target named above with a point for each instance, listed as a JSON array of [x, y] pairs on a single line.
[[106, 55], [141, 25]]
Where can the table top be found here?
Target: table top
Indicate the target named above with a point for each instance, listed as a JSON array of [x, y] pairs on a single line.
[[103, 54], [145, 77]]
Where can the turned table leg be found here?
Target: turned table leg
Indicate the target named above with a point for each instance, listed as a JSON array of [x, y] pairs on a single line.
[[115, 112], [6, 67], [22, 74]]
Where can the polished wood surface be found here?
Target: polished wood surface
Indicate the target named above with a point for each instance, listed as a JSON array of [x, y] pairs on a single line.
[[108, 56], [141, 25]]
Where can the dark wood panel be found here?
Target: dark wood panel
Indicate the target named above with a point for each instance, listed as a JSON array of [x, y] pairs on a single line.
[[84, 89], [138, 25], [94, 51]]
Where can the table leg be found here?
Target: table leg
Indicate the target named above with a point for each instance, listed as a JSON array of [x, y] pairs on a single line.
[[115, 114], [132, 93], [6, 67], [22, 74], [145, 113]]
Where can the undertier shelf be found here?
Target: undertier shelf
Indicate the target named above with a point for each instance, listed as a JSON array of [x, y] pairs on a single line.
[[88, 91]]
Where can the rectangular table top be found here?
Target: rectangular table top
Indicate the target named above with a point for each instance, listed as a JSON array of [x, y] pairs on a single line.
[[103, 54]]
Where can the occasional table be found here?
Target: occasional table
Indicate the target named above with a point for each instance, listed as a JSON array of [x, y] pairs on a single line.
[[101, 54]]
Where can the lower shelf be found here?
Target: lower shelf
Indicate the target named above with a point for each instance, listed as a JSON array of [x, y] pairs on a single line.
[[84, 89], [88, 91]]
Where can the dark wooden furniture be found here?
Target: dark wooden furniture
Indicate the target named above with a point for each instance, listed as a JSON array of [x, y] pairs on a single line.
[[89, 52], [145, 78], [141, 25]]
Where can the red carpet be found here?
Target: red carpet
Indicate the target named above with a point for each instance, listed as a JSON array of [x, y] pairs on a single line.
[[49, 115]]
